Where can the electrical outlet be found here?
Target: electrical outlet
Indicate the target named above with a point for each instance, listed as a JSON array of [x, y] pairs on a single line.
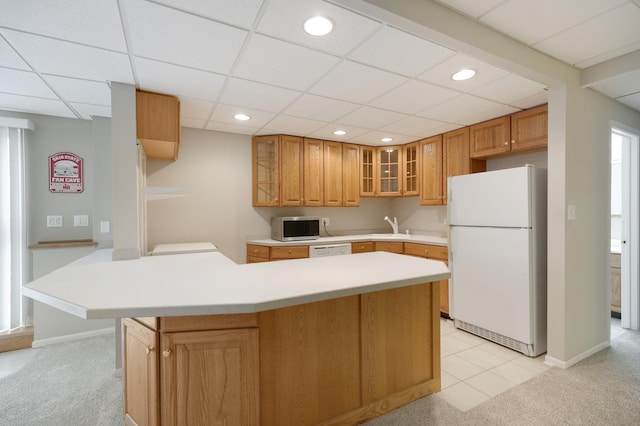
[[54, 221], [326, 221]]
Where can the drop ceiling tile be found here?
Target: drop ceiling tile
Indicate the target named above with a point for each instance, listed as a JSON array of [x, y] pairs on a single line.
[[416, 127], [370, 118], [161, 33], [460, 110], [533, 21], [84, 91], [235, 12], [357, 83], [194, 123], [224, 114], [35, 105], [509, 89], [283, 64], [471, 8], [413, 96], [632, 101], [326, 132], [620, 85], [24, 83], [441, 74], [257, 96], [284, 19], [294, 125], [400, 52], [231, 128], [90, 22], [480, 115], [88, 111], [9, 58], [179, 81], [569, 46], [531, 101], [62, 58], [373, 138], [319, 108], [195, 108]]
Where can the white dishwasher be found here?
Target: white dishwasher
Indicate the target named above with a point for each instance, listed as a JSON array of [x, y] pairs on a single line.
[[330, 250]]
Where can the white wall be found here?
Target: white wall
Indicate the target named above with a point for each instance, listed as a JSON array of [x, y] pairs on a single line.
[[214, 168]]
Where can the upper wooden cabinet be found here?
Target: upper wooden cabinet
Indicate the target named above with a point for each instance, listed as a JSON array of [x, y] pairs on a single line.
[[332, 174], [158, 125], [266, 170], [529, 129], [410, 170], [490, 137], [368, 171], [313, 174], [389, 182], [456, 159], [277, 170], [291, 175], [431, 175], [350, 175], [522, 131]]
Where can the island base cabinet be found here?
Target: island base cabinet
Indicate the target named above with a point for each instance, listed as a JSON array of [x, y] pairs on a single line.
[[334, 362], [140, 372], [210, 377]]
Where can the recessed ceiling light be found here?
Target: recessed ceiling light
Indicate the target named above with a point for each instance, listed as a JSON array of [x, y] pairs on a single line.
[[318, 26], [463, 74], [386, 139], [242, 117], [339, 133]]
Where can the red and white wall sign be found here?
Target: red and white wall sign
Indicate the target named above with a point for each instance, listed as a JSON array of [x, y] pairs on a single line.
[[66, 173]]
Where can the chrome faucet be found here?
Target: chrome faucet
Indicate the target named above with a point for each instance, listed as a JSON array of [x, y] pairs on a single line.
[[393, 224]]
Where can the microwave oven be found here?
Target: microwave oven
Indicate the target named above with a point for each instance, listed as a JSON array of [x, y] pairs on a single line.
[[295, 228]]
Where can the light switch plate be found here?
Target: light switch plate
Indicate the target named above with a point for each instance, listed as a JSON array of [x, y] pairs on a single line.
[[105, 227], [81, 220], [571, 212]]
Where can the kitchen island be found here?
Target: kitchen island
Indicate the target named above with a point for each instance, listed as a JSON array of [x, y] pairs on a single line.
[[309, 341]]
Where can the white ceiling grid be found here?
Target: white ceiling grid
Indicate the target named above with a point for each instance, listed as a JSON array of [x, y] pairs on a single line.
[[367, 77]]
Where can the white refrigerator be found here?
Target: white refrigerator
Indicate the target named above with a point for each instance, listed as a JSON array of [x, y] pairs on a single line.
[[498, 256]]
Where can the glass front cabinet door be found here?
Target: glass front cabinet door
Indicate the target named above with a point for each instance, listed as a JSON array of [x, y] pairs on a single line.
[[266, 171], [389, 167]]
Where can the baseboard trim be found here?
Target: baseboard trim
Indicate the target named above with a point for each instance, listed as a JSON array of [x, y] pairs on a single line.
[[555, 362], [71, 337]]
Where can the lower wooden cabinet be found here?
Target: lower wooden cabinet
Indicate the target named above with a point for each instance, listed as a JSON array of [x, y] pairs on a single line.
[[362, 247], [257, 253], [429, 251], [210, 377], [616, 279], [390, 246]]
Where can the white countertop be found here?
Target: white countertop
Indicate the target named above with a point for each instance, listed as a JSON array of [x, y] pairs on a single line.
[[178, 248], [411, 238], [95, 287]]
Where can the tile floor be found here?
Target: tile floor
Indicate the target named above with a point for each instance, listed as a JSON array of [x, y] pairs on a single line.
[[474, 369]]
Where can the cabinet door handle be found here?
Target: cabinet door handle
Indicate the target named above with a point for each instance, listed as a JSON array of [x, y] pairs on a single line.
[[513, 141], [166, 353], [149, 349], [507, 142]]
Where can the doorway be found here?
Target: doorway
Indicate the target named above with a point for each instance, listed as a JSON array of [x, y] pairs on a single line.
[[625, 228]]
